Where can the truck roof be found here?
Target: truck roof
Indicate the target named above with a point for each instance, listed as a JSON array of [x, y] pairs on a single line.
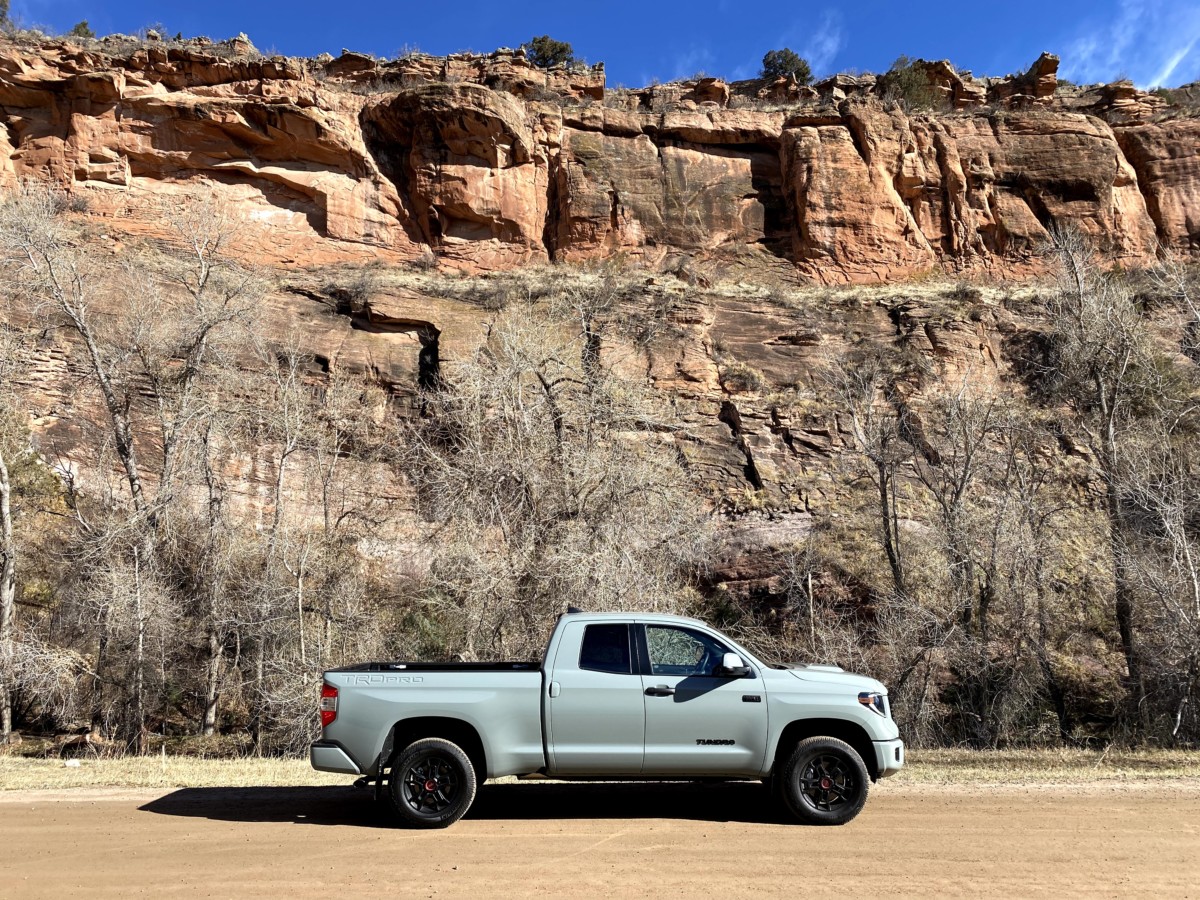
[[634, 617]]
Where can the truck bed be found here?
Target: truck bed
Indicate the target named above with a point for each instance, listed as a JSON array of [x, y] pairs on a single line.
[[441, 667]]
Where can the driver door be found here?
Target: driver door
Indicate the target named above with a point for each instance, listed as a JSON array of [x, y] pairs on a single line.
[[697, 722]]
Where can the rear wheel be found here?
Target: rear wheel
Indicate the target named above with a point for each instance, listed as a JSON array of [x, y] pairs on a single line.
[[432, 783], [823, 782]]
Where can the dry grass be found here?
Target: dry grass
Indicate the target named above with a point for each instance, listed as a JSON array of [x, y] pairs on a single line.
[[943, 767], [18, 773], [996, 767]]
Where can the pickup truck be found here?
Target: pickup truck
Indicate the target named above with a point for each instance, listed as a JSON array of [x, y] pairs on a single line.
[[620, 696]]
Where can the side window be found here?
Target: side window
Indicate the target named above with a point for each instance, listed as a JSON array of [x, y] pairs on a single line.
[[606, 649], [681, 651]]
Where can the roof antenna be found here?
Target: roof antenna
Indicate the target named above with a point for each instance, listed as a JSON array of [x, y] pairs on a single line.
[[574, 609]]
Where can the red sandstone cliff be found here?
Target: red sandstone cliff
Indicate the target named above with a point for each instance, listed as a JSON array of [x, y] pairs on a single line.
[[492, 163]]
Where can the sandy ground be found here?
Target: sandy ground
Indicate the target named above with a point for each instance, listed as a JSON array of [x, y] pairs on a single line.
[[675, 840]]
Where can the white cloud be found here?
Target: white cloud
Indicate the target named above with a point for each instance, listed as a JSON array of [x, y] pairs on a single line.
[[821, 46], [691, 61], [744, 72], [1147, 41], [1169, 67]]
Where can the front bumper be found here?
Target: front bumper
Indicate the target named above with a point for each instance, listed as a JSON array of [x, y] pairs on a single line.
[[328, 756], [889, 757]]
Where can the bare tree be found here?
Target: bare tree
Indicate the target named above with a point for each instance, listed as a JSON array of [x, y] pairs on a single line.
[[1162, 550], [42, 251], [8, 543], [1105, 368], [1176, 278], [191, 326], [187, 317], [950, 435], [286, 424], [547, 481], [867, 391], [161, 329], [1035, 552]]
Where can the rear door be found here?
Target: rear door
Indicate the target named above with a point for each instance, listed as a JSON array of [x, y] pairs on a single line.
[[595, 710], [698, 723]]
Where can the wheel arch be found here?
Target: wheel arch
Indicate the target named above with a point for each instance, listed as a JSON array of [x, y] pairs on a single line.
[[842, 729], [457, 731]]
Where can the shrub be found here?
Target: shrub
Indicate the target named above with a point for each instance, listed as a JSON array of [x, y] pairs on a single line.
[[82, 30], [964, 293], [425, 261], [737, 377], [782, 63], [906, 82], [545, 52]]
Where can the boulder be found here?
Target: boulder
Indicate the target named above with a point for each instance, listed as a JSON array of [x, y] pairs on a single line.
[[1038, 85]]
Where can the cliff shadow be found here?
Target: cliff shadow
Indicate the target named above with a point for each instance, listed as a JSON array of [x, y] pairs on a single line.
[[707, 802]]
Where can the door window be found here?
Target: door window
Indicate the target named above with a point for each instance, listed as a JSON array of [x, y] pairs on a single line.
[[682, 651], [606, 649]]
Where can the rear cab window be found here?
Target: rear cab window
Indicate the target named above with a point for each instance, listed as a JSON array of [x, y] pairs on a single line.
[[605, 648]]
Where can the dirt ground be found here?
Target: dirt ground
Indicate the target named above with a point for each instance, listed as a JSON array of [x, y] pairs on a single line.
[[674, 840]]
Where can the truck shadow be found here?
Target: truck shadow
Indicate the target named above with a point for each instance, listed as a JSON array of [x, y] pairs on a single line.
[[722, 802]]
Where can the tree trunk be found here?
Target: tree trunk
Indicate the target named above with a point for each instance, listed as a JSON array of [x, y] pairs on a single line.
[[887, 514], [118, 414], [213, 639], [256, 722], [812, 616], [1053, 685], [98, 675], [1123, 602], [260, 643], [8, 598], [212, 676], [139, 674], [300, 614]]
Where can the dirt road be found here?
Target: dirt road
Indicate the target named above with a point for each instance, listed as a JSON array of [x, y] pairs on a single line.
[[594, 840]]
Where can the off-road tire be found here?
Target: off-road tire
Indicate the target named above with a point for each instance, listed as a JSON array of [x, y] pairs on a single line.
[[823, 781], [432, 783]]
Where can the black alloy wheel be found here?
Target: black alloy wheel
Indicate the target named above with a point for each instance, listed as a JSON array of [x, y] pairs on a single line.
[[432, 783], [823, 781], [827, 784]]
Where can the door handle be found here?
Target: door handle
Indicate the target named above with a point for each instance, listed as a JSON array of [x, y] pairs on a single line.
[[660, 690]]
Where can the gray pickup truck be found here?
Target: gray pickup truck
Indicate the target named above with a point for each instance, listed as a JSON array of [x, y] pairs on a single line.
[[621, 696]]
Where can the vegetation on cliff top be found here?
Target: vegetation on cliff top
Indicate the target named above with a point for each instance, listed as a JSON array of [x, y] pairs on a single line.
[[786, 63], [545, 52]]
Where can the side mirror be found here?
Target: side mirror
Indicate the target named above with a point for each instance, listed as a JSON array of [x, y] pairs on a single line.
[[732, 666]]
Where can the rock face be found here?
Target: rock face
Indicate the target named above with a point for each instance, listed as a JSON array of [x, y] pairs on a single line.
[[1166, 157], [491, 163]]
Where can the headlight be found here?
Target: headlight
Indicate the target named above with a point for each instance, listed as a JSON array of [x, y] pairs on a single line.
[[875, 701]]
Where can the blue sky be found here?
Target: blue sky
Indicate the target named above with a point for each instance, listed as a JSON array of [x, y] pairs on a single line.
[[1151, 41]]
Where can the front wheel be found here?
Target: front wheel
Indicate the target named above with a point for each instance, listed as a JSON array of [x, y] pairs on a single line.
[[824, 781], [432, 783]]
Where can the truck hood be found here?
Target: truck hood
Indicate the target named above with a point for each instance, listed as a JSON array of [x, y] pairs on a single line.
[[834, 676]]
